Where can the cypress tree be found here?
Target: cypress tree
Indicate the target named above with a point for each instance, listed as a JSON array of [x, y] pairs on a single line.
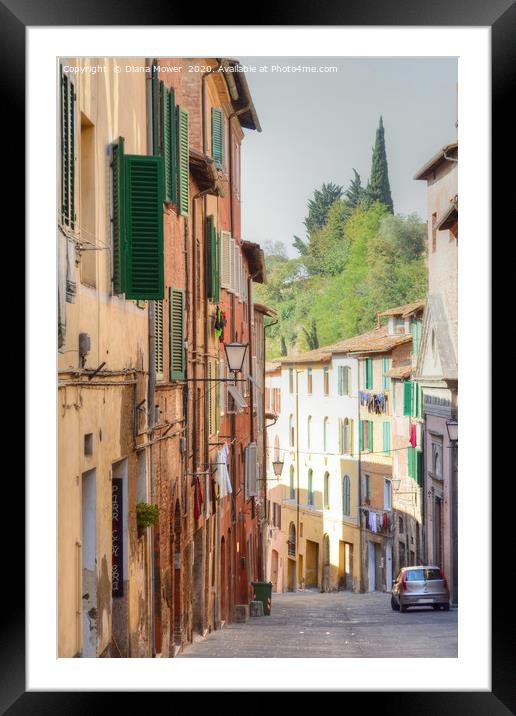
[[379, 188]]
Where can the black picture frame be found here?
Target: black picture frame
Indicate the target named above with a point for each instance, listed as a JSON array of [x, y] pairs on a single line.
[[15, 17]]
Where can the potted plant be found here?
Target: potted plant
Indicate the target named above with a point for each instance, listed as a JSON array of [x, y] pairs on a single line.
[[146, 516]]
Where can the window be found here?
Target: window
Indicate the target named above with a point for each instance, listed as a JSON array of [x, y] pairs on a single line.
[[415, 329], [291, 430], [367, 486], [212, 260], [366, 435], [292, 489], [387, 504], [400, 525], [217, 136], [408, 396], [415, 465], [346, 436], [183, 196], [138, 195], [326, 423], [434, 232], [437, 459], [251, 469], [276, 515], [226, 260], [344, 380], [310, 487], [326, 490], [68, 120], [309, 431], [309, 381], [386, 364], [87, 203], [386, 437], [159, 363], [176, 353], [168, 141], [368, 373], [326, 373], [292, 540], [346, 495], [290, 380]]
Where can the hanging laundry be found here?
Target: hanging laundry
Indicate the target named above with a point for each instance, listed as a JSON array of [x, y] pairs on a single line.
[[220, 323], [198, 498], [413, 435]]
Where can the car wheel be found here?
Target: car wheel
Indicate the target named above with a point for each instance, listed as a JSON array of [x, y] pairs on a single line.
[[403, 607], [395, 605], [436, 607]]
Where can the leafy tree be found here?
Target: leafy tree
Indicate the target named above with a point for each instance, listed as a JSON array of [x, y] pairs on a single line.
[[378, 188], [328, 249], [311, 336], [300, 245], [319, 206], [355, 193]]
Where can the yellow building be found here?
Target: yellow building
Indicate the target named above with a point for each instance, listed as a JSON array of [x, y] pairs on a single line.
[[103, 359]]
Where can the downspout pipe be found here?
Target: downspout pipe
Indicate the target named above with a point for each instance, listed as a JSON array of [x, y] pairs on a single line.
[[152, 369]]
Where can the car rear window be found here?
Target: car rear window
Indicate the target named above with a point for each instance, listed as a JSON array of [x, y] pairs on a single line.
[[419, 575]]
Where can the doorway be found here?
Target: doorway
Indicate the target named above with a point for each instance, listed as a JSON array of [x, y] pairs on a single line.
[[371, 567], [326, 564], [388, 566], [223, 585], [312, 564], [89, 564], [274, 570], [178, 631], [291, 575]]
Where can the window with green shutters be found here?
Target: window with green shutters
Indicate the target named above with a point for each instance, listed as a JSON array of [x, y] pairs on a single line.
[[408, 394], [386, 364], [387, 437], [176, 330], [137, 225], [415, 329], [361, 436], [212, 260], [155, 123], [415, 464], [183, 192], [68, 98], [370, 436], [368, 373], [217, 126], [366, 435], [168, 140]]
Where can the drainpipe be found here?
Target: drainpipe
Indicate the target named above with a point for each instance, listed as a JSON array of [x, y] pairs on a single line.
[[152, 372]]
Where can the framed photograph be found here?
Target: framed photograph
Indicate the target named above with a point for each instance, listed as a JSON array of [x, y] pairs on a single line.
[[251, 263]]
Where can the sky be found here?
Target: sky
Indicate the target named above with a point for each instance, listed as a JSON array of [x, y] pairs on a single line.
[[317, 127]]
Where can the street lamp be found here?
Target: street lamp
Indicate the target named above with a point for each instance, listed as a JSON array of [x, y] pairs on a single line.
[[452, 426], [235, 354], [277, 466], [396, 484]]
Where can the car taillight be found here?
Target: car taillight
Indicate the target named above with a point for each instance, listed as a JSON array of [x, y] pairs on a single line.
[[444, 579], [404, 582]]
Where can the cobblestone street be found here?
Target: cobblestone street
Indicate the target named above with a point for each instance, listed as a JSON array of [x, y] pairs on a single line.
[[343, 624]]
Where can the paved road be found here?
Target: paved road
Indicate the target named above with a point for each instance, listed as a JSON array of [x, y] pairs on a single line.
[[343, 624]]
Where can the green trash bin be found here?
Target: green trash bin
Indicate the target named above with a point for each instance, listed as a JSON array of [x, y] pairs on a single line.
[[263, 593]]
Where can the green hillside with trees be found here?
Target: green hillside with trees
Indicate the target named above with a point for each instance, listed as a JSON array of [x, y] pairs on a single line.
[[358, 258]]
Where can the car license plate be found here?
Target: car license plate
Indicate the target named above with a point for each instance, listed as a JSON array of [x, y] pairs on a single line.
[[425, 601]]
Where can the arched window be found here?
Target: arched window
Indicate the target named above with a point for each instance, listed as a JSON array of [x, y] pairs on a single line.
[[346, 495], [309, 431], [310, 487], [291, 429], [292, 540], [292, 492], [276, 448], [326, 424], [326, 490]]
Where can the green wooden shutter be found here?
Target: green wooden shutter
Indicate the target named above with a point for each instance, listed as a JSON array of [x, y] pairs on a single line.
[[407, 397], [361, 435], [173, 145], [155, 144], [411, 461], [370, 437], [386, 437], [216, 136], [165, 139], [118, 217], [176, 331], [182, 161], [144, 227], [419, 467], [340, 372], [369, 364], [217, 261], [68, 115]]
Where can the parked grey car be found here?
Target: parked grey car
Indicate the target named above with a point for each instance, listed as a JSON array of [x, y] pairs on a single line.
[[420, 587]]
